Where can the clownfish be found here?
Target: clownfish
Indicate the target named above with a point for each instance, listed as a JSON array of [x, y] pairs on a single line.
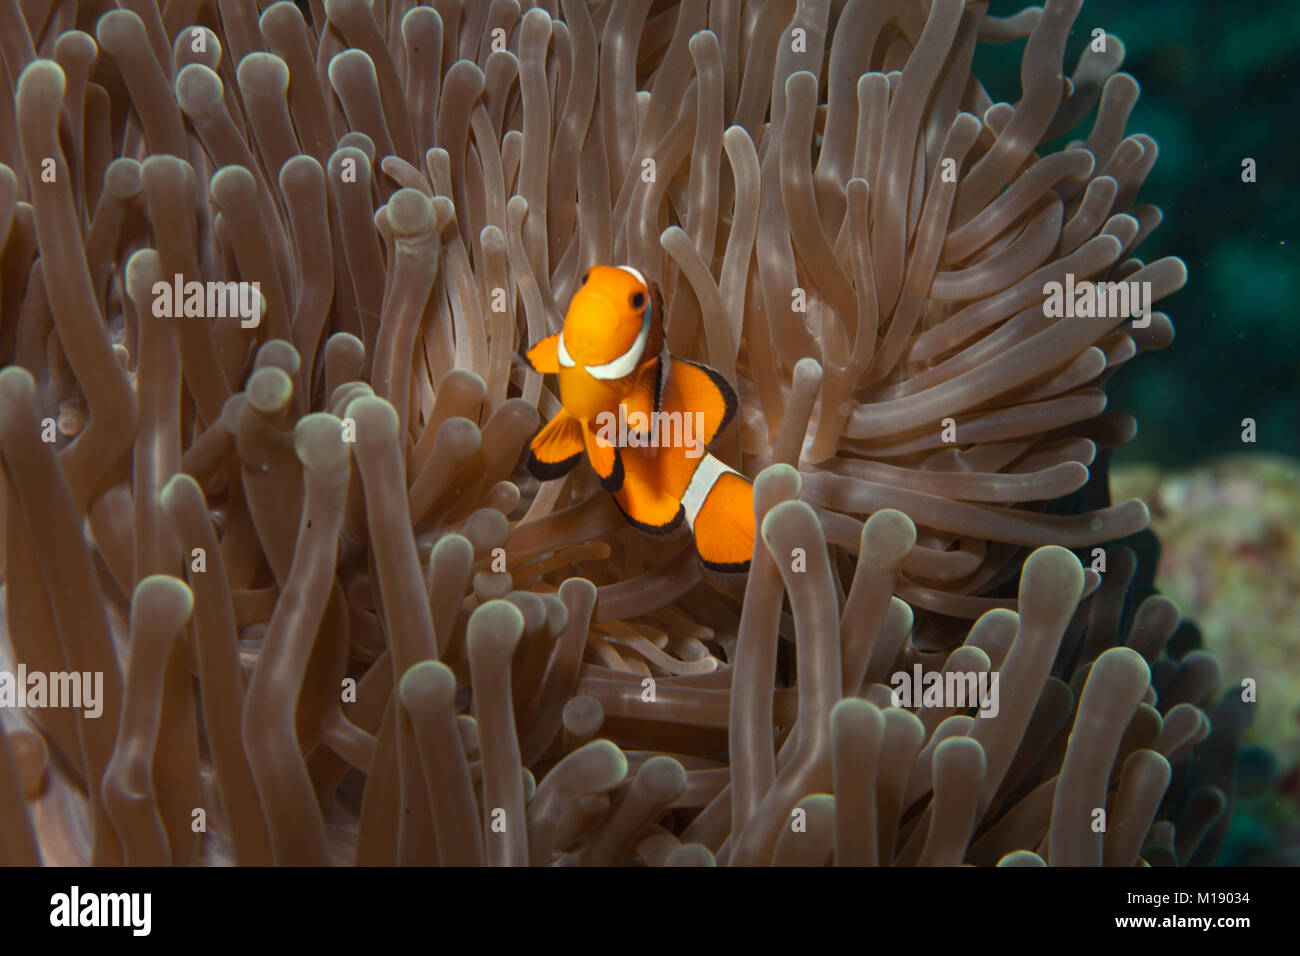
[[644, 419]]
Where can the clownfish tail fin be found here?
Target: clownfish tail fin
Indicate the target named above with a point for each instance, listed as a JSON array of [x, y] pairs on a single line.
[[719, 505]]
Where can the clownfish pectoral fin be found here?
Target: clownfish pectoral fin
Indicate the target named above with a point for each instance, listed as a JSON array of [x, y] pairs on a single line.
[[544, 357], [557, 448], [692, 388], [602, 452], [720, 507]]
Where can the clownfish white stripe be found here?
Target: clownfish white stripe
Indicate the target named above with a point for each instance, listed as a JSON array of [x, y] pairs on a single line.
[[702, 482], [562, 353], [635, 274]]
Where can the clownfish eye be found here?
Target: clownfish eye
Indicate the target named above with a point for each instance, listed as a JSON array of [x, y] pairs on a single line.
[[638, 300], [586, 275]]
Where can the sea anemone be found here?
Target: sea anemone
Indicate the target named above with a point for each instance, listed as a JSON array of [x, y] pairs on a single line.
[[337, 622]]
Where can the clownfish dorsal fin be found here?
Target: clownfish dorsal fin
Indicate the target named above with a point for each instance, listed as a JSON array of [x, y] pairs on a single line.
[[688, 387]]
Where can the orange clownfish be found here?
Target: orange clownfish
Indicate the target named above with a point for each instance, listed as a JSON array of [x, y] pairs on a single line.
[[644, 419]]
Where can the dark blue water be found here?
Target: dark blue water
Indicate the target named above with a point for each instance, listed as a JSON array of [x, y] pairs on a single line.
[[1219, 85]]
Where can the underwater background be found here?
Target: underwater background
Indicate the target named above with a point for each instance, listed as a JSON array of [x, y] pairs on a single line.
[[1218, 87], [1214, 452]]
